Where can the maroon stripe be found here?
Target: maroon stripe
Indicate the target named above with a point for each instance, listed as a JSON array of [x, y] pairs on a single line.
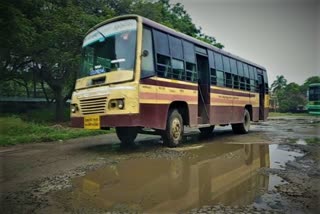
[[232, 93], [168, 84]]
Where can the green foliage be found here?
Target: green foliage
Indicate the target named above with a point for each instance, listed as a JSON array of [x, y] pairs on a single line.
[[278, 84], [310, 80], [16, 131], [290, 97], [41, 39]]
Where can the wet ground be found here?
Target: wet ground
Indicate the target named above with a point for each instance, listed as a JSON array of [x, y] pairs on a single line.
[[273, 169]]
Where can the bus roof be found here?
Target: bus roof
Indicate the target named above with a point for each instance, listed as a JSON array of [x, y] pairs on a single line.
[[314, 84], [177, 34]]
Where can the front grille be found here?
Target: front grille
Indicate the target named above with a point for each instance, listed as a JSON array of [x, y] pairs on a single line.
[[93, 105]]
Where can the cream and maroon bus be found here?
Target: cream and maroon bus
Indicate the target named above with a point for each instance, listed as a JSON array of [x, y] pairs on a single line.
[[139, 76]]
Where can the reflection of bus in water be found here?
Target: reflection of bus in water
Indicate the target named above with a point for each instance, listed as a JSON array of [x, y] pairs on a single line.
[[228, 175], [314, 98]]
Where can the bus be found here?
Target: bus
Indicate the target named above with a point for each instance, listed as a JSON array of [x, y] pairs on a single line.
[[138, 76], [314, 98]]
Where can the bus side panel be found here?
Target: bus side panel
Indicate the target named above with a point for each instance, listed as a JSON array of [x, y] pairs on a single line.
[[153, 115], [266, 106], [219, 114], [238, 112], [193, 114], [254, 100]]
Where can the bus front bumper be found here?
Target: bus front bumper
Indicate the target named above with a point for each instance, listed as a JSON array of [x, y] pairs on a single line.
[[107, 121]]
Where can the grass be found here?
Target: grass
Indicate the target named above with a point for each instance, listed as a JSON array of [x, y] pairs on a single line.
[[278, 114], [14, 130], [314, 140]]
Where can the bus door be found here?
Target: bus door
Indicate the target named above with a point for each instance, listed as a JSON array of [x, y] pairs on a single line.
[[261, 96], [203, 89]]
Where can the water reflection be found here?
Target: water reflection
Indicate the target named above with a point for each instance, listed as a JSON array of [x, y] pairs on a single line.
[[216, 173]]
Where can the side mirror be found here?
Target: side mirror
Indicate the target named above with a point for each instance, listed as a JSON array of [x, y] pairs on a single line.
[[145, 53]]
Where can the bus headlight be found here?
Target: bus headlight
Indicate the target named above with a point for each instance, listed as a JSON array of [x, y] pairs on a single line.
[[74, 108], [121, 104]]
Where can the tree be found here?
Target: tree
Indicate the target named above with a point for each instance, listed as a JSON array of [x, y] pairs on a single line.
[[290, 97], [278, 84], [43, 37], [310, 80]]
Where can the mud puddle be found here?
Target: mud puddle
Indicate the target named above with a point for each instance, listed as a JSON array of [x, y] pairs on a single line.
[[209, 174]]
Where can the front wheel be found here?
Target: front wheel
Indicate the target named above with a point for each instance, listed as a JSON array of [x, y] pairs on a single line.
[[242, 128], [127, 135], [172, 136]]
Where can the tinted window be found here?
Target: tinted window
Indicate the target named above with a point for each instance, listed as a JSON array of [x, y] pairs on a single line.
[[213, 76], [147, 61], [251, 72], [201, 50], [233, 66], [188, 50], [191, 72], [163, 65], [240, 68], [246, 70], [236, 81], [176, 47], [161, 43], [211, 59], [255, 73], [229, 80], [178, 69], [218, 61], [220, 78], [226, 64]]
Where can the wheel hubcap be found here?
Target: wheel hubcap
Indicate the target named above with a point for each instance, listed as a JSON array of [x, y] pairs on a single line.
[[176, 128]]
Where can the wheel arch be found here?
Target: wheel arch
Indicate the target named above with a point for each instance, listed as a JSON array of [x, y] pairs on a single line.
[[249, 108], [183, 108]]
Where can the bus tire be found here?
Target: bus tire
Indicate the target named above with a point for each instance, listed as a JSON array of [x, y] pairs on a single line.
[[242, 128], [127, 135], [172, 136], [206, 130]]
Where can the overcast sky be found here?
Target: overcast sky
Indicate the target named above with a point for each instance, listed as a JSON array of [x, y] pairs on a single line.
[[281, 35]]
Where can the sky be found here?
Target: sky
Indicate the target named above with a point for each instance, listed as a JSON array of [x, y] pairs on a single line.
[[281, 35]]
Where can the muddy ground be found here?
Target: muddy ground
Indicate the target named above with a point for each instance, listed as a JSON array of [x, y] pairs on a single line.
[[273, 169]]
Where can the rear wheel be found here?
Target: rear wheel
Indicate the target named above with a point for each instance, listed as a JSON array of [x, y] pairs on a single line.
[[172, 136], [242, 128], [206, 130], [127, 135]]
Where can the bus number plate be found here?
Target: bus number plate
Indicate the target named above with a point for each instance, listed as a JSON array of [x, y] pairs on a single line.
[[92, 122]]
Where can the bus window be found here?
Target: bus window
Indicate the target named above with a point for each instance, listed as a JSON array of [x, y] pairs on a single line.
[[240, 68], [177, 69], [236, 81], [252, 85], [226, 64], [175, 47], [163, 54], [229, 80], [147, 66], [161, 43], [213, 76], [265, 78], [245, 70], [233, 66], [218, 61], [188, 50], [220, 78], [163, 66], [191, 72]]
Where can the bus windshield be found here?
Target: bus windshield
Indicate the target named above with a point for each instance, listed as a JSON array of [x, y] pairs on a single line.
[[109, 48], [314, 93]]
